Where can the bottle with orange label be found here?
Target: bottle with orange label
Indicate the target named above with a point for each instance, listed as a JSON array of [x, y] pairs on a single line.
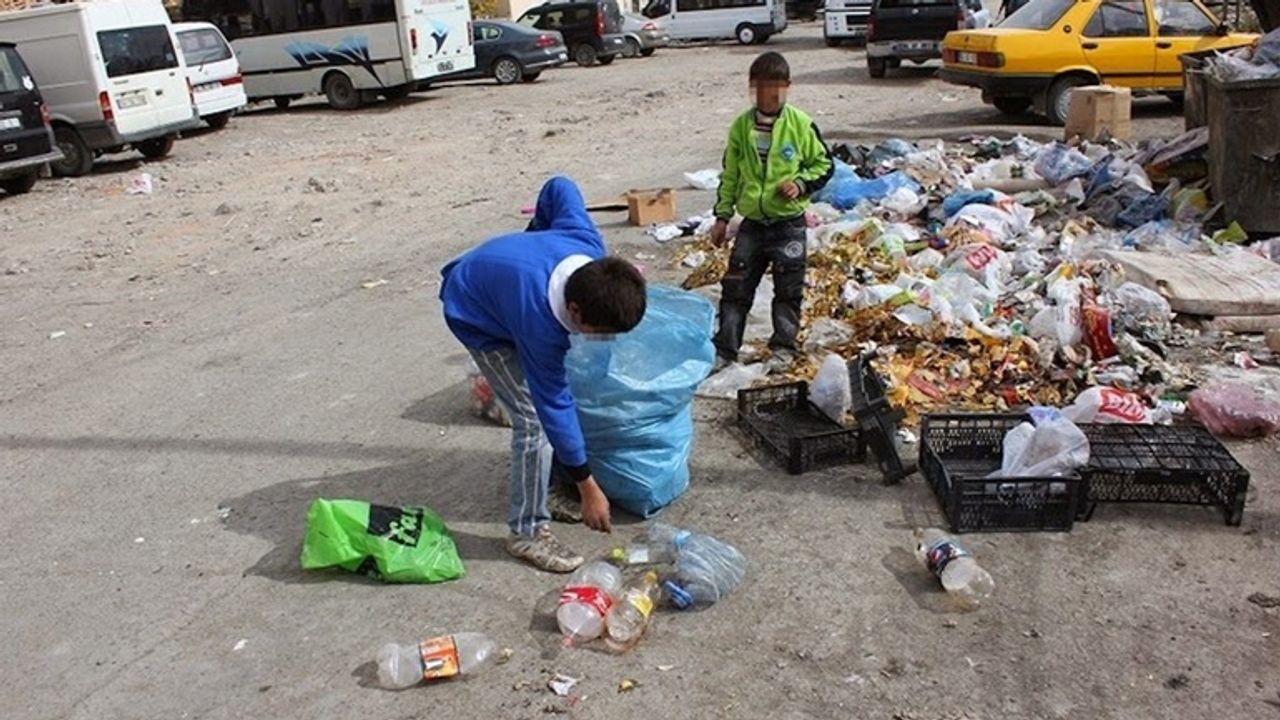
[[585, 601], [629, 617], [403, 666]]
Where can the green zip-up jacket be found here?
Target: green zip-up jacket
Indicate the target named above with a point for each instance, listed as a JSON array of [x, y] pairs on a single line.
[[750, 186]]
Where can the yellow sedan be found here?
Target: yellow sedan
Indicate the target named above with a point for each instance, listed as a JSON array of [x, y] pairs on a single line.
[[1047, 48]]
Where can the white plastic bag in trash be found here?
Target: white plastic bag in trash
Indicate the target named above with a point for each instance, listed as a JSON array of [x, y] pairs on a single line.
[[827, 332], [708, 179], [726, 383], [830, 391], [1109, 406], [1049, 446], [141, 185], [985, 263]]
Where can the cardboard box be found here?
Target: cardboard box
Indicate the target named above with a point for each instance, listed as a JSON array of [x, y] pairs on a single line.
[[646, 207], [1099, 108]]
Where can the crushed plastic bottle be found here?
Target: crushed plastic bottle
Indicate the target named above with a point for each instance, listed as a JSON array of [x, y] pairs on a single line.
[[960, 574], [403, 666], [707, 569], [585, 601], [629, 617]]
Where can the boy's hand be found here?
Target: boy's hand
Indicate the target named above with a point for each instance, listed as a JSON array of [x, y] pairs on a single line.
[[719, 232], [595, 506], [789, 189]]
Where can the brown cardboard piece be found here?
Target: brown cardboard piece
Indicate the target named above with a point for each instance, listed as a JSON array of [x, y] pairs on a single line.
[[1095, 108], [646, 207]]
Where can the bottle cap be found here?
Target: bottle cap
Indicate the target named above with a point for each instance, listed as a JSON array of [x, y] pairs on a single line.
[[618, 555], [680, 598]]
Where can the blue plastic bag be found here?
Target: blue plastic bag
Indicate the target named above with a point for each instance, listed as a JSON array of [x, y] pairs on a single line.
[[845, 189], [635, 395], [1058, 163], [957, 201]]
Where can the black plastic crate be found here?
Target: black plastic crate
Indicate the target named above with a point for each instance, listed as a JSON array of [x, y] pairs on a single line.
[[1181, 465], [958, 452], [878, 419], [781, 419]]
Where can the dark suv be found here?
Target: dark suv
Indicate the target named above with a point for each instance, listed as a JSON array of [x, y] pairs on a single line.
[[912, 30], [591, 30], [26, 139]]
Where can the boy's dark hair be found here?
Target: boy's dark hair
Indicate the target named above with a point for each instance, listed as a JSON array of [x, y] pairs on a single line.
[[770, 67], [609, 293]]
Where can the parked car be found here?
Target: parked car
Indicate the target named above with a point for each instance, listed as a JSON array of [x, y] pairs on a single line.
[[214, 72], [912, 30], [509, 53], [1049, 47], [26, 139], [592, 30], [803, 9], [644, 36], [111, 75], [748, 21], [845, 20]]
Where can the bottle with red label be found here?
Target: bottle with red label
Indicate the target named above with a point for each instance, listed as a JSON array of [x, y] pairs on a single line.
[[586, 599], [960, 574], [403, 666]]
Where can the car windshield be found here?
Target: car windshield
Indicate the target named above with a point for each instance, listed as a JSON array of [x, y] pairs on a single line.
[[11, 71], [203, 46], [1038, 15], [137, 50]]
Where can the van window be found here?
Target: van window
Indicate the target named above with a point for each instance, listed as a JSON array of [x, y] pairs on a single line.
[[693, 5], [137, 50], [12, 71], [203, 46]]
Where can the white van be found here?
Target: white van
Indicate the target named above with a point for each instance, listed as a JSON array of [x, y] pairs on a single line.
[[213, 70], [845, 20], [111, 74], [749, 21]]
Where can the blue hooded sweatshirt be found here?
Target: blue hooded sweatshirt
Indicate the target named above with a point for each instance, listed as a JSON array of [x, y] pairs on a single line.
[[498, 295]]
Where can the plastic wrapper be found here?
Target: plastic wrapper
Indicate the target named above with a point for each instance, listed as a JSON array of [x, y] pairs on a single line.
[[985, 263], [903, 202], [999, 224], [726, 383], [826, 333], [634, 397], [1059, 163], [1109, 406], [484, 403], [1049, 446], [708, 179], [1234, 410], [1140, 310], [393, 544], [830, 391]]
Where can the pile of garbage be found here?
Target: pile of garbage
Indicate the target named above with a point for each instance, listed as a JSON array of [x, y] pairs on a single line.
[[988, 274], [1260, 61]]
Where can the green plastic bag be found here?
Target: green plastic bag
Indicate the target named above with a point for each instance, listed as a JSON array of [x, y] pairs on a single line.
[[393, 544]]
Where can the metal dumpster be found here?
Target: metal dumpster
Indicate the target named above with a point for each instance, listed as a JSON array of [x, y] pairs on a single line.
[[1244, 150], [1193, 89]]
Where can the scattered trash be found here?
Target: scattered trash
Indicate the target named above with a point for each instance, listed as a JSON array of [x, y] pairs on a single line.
[[726, 383], [664, 233], [403, 666], [141, 185], [504, 656], [371, 284], [1245, 361], [1234, 410], [950, 562], [1049, 446], [695, 259], [585, 601], [240, 644], [139, 540], [666, 668], [627, 685], [393, 544], [1108, 405], [707, 569], [57, 334], [830, 391], [708, 179], [562, 684], [1265, 601]]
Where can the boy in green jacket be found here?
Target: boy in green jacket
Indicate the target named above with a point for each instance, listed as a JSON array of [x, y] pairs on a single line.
[[774, 161]]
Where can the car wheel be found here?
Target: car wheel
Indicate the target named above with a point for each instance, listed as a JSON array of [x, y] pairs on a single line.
[[77, 159], [1178, 99], [155, 148], [876, 67], [585, 55], [1058, 103], [647, 52], [282, 103], [1012, 105], [399, 92], [506, 71], [746, 34], [531, 77], [608, 59], [632, 49], [832, 42], [21, 184], [217, 121], [341, 92]]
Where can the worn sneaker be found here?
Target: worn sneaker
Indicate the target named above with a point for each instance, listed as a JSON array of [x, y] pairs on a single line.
[[544, 551], [564, 503], [779, 362]]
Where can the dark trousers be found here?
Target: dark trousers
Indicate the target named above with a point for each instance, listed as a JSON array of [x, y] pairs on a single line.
[[781, 245]]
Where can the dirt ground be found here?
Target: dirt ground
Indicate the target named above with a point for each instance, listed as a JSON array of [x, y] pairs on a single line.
[[187, 371]]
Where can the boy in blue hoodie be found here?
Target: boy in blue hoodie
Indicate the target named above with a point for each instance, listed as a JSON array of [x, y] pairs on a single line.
[[513, 302]]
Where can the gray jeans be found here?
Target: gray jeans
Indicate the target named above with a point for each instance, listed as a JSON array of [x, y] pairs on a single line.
[[531, 453]]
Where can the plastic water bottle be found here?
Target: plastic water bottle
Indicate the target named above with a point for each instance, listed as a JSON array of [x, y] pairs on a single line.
[[629, 617], [960, 574], [586, 599], [707, 569], [403, 666]]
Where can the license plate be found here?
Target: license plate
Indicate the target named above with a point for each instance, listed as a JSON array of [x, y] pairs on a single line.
[[446, 66], [132, 100], [921, 45], [10, 123], [206, 87], [967, 58]]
